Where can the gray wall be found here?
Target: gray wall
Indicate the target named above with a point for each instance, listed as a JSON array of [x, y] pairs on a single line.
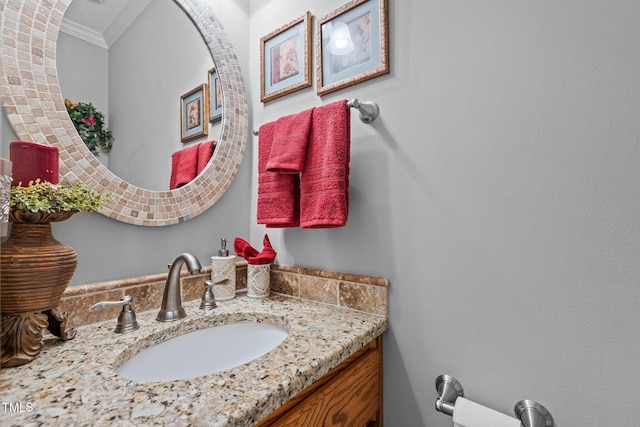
[[499, 194], [497, 191]]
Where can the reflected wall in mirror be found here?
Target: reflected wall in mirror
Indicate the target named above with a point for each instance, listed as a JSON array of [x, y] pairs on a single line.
[[135, 75], [34, 105]]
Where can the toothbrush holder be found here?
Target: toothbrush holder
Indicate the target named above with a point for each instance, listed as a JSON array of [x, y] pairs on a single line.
[[258, 280]]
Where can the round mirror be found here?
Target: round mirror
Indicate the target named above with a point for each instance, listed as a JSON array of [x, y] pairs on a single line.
[[133, 61], [34, 105]]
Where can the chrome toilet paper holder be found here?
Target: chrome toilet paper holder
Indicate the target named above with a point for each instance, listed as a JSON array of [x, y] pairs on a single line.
[[529, 412], [449, 389]]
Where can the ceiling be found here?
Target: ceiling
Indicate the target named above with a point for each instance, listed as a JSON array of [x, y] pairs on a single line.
[[101, 22]]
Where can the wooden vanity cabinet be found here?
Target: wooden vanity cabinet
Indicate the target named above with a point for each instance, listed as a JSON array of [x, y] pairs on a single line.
[[348, 395]]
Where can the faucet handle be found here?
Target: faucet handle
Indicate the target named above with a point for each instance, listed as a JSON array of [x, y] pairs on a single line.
[[103, 305], [126, 319], [208, 301]]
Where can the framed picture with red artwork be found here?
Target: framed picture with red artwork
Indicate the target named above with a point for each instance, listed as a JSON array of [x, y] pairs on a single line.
[[215, 96], [352, 45], [285, 56], [194, 113]]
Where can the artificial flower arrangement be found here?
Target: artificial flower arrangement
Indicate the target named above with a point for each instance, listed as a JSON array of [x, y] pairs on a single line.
[[89, 123], [42, 201]]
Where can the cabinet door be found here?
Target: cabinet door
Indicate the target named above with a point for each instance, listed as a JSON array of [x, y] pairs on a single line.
[[350, 398]]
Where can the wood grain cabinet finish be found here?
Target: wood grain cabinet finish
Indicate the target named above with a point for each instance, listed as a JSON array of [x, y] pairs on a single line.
[[348, 395]]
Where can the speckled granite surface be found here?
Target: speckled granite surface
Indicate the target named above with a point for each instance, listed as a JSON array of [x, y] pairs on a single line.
[[73, 383]]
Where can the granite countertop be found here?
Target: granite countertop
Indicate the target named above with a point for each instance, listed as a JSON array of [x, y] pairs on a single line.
[[74, 382]]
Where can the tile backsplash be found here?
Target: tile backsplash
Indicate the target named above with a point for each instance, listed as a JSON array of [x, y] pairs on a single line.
[[363, 293]]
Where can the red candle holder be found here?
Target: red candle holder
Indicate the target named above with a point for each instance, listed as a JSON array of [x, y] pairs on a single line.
[[32, 161]]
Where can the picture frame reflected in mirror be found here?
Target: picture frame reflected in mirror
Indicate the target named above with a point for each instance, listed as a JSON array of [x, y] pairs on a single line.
[[215, 96], [194, 113]]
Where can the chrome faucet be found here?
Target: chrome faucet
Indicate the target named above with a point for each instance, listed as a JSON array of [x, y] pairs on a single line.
[[171, 307]]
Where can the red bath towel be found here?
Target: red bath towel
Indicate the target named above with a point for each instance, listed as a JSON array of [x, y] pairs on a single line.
[[289, 146], [278, 194], [183, 166], [324, 183], [205, 151]]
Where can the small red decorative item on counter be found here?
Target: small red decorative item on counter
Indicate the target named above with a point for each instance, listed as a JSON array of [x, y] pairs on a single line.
[[32, 161], [243, 249]]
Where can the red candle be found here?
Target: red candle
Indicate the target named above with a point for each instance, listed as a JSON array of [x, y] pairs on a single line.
[[32, 161]]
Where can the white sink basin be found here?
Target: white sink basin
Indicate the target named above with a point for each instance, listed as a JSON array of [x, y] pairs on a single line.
[[203, 352]]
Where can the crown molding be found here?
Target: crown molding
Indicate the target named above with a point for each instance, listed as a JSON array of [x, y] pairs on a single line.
[[124, 19], [83, 33]]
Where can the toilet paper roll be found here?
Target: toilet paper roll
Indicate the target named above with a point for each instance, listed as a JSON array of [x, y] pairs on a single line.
[[470, 414]]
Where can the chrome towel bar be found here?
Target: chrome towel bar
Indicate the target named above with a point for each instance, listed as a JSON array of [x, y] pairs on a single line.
[[530, 413], [369, 111]]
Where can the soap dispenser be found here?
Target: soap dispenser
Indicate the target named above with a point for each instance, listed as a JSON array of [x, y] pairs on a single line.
[[223, 273]]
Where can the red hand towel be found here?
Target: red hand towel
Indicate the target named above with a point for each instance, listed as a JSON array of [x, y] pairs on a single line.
[[205, 151], [243, 248], [183, 166], [278, 194], [251, 254], [324, 183], [266, 256], [289, 146]]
